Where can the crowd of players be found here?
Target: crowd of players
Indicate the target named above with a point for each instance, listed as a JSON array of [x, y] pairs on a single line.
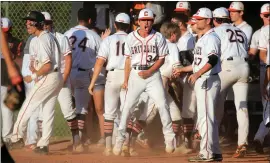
[[129, 74]]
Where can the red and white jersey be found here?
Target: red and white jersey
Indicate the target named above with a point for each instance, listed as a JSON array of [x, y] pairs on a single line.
[[171, 60], [112, 51], [264, 42], [85, 44], [208, 44], [233, 41], [186, 42], [145, 51], [247, 29], [64, 47], [44, 49]]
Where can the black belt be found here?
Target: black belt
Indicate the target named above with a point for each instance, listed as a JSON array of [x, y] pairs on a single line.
[[81, 69], [231, 59], [141, 67], [55, 70], [114, 69]]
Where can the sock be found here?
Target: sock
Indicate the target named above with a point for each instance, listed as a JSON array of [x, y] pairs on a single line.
[[73, 125], [81, 126], [108, 130], [188, 125], [176, 126]]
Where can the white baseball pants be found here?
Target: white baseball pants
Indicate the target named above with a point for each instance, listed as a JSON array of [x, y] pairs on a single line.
[[6, 117], [207, 90], [43, 93], [235, 74], [114, 81], [154, 88], [263, 130]]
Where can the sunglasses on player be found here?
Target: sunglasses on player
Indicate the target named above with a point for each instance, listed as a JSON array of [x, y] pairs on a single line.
[[266, 15]]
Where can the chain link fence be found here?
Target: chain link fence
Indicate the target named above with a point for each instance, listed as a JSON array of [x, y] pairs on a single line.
[[61, 16]]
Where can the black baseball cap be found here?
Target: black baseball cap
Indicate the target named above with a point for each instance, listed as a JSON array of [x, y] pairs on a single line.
[[35, 16]]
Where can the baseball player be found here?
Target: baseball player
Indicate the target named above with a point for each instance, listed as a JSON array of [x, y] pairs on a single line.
[[6, 113], [114, 56], [184, 7], [236, 13], [186, 44], [49, 82], [262, 43], [65, 95], [235, 72], [206, 66], [145, 50], [85, 44]]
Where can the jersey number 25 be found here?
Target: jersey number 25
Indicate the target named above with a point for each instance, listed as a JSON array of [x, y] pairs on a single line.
[[236, 35]]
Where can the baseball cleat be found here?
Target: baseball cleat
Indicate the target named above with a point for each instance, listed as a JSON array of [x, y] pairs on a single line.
[[143, 142], [240, 152], [16, 145], [107, 152], [78, 148], [125, 151], [101, 142], [30, 147], [133, 152], [42, 150], [258, 146], [200, 158], [118, 147], [169, 147], [182, 149]]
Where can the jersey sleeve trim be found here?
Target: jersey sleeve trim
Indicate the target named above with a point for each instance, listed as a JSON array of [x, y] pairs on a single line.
[[101, 57], [66, 53], [261, 48], [163, 56]]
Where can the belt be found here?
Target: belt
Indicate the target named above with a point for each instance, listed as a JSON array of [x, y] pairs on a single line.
[[231, 59], [55, 70], [114, 69], [141, 67], [81, 69]]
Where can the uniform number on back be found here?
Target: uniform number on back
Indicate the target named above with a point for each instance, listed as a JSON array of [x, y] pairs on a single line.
[[81, 45], [235, 36], [118, 46]]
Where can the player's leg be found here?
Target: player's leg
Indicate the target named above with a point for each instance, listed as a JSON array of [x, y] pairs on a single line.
[[136, 86], [207, 90], [41, 92], [6, 117], [156, 92], [66, 105], [32, 130], [240, 90]]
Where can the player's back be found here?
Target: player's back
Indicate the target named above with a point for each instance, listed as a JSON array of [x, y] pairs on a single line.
[[84, 47], [112, 50], [233, 41]]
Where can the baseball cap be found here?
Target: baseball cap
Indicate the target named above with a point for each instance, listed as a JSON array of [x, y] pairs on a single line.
[[265, 9], [146, 14], [182, 6], [236, 6], [221, 12], [203, 13], [122, 18], [35, 16], [47, 16], [5, 24], [192, 21]]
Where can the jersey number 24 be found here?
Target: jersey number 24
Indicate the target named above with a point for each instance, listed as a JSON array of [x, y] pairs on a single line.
[[81, 45]]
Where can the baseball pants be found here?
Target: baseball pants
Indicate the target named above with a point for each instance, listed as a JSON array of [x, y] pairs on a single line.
[[235, 74], [154, 88], [6, 117], [263, 130], [207, 90], [43, 93]]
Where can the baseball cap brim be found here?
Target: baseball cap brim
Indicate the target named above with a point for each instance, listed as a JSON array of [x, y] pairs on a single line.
[[28, 18], [265, 13], [5, 29], [198, 17], [146, 18], [181, 9], [233, 10], [191, 22]]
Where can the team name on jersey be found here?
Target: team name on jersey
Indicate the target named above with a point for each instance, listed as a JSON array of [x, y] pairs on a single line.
[[146, 48]]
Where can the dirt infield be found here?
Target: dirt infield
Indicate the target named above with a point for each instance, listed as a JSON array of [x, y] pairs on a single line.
[[60, 154]]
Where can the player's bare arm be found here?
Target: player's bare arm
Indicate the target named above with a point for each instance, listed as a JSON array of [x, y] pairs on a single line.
[[45, 69], [127, 72], [263, 55], [68, 65], [97, 69], [154, 68], [177, 71], [106, 33]]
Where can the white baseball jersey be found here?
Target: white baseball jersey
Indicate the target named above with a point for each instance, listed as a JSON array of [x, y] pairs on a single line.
[[264, 42], [112, 51], [247, 29], [64, 48], [145, 51], [44, 49], [170, 60], [255, 39], [186, 42], [208, 44], [85, 44], [233, 41]]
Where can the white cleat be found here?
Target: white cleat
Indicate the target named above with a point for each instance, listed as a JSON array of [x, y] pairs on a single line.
[[182, 149], [169, 147], [117, 149], [107, 152]]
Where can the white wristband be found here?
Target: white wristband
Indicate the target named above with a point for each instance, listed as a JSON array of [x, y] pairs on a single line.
[[34, 76]]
